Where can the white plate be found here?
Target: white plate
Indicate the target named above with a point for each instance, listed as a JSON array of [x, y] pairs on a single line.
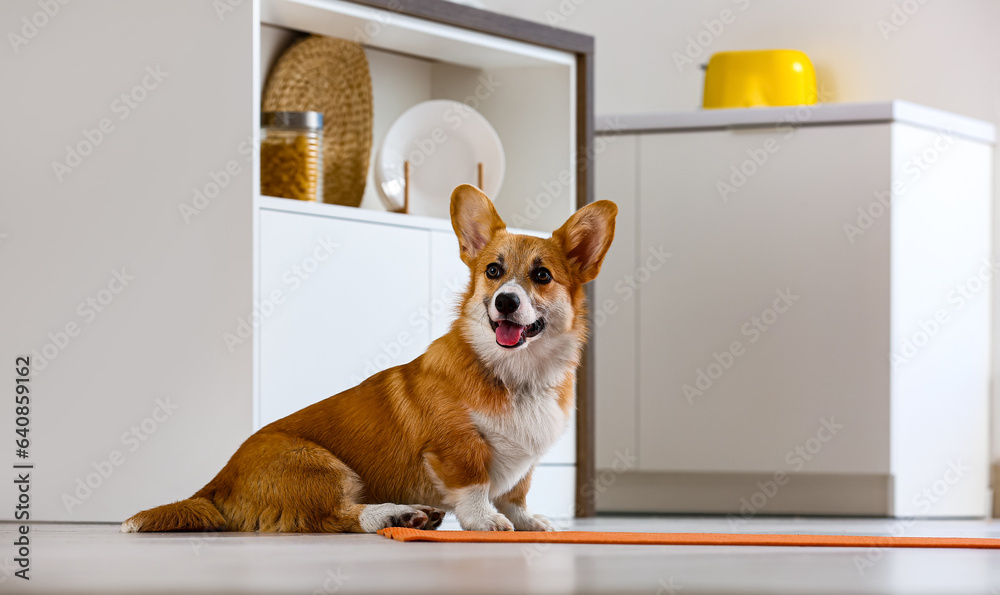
[[444, 142]]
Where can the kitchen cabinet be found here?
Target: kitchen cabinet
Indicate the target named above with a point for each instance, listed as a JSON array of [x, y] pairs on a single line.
[[345, 297], [615, 306], [812, 312]]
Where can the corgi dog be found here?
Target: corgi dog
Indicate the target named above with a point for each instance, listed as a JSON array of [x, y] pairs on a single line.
[[458, 429]]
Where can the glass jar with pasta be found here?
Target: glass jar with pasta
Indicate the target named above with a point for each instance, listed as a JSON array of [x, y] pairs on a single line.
[[291, 155]]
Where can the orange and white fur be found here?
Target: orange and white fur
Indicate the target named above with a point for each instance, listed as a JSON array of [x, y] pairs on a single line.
[[458, 429]]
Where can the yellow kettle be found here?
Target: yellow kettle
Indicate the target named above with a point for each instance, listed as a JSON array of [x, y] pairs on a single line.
[[759, 78]]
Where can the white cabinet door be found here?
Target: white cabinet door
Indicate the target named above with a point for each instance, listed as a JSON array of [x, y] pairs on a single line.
[[614, 308], [941, 302], [449, 280], [339, 301], [551, 493], [776, 339]]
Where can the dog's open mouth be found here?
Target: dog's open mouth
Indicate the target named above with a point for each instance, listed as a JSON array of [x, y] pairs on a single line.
[[512, 335]]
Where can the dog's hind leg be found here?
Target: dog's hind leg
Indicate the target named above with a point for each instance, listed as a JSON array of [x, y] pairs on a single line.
[[280, 483]]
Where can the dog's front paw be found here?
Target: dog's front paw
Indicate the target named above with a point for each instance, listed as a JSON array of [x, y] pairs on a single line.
[[493, 522], [524, 520], [536, 522], [382, 516], [434, 516]]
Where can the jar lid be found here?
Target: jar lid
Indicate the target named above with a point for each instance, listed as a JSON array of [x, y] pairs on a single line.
[[292, 120]]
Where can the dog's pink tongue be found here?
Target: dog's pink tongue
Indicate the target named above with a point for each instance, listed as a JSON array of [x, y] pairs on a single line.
[[509, 333]]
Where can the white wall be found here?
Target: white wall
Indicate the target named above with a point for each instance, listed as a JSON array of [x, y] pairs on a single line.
[[943, 54]]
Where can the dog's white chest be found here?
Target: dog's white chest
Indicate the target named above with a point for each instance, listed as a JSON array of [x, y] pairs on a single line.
[[519, 438]]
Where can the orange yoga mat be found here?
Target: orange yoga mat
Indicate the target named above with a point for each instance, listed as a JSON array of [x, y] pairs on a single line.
[[865, 541]]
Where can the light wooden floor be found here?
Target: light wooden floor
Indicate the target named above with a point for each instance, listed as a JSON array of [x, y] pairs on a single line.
[[97, 559]]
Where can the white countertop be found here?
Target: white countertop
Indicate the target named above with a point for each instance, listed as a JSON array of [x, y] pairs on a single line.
[[801, 115], [320, 209]]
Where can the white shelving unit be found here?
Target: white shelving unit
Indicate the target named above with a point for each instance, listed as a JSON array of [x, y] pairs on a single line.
[[169, 198]]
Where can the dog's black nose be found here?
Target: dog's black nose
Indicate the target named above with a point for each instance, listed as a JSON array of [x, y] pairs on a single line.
[[507, 303]]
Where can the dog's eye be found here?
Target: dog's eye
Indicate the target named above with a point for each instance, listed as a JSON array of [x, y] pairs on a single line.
[[541, 275], [494, 271]]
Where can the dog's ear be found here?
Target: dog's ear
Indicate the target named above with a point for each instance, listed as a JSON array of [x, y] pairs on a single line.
[[586, 237], [474, 219]]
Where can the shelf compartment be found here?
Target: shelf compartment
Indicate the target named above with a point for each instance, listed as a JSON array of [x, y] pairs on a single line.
[[528, 94]]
